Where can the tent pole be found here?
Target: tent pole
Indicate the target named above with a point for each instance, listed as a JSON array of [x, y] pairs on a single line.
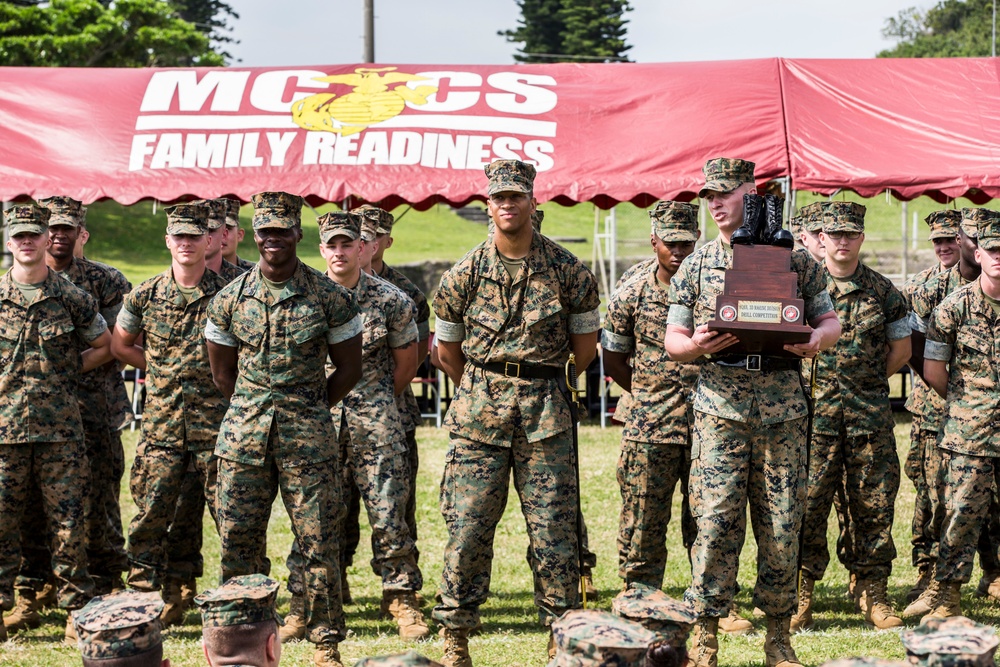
[[904, 266]]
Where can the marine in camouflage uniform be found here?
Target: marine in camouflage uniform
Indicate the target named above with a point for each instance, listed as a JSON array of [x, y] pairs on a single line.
[[373, 446], [852, 422], [184, 541], [44, 323], [105, 545], [239, 622], [506, 328], [925, 409], [923, 464], [269, 334], [183, 408], [124, 627], [748, 440], [960, 363], [234, 236], [655, 411]]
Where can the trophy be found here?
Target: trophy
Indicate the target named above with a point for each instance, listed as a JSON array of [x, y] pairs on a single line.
[[759, 303]]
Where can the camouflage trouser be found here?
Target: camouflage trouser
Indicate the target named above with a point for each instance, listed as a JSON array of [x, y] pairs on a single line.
[[648, 472], [965, 497], [184, 537], [311, 495], [61, 472], [872, 482], [733, 463], [923, 467], [412, 466], [474, 491], [845, 536], [104, 541], [159, 474], [380, 476]]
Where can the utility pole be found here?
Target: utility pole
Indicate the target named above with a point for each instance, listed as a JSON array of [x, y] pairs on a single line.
[[369, 55], [994, 28]]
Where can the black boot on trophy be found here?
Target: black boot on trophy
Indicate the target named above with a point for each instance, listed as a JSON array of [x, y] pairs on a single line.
[[752, 229], [775, 234]]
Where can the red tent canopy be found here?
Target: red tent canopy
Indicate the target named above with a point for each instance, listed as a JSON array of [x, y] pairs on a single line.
[[422, 133]]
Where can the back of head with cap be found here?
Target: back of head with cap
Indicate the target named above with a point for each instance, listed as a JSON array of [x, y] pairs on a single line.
[[239, 621], [121, 629], [951, 642]]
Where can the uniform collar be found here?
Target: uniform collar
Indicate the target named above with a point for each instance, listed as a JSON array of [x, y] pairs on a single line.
[[50, 287], [256, 288]]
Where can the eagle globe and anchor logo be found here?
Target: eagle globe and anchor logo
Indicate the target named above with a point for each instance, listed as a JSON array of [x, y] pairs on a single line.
[[377, 95]]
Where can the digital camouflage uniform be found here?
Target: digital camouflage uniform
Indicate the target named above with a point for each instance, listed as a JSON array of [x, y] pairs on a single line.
[[656, 438], [247, 599], [748, 445], [952, 642], [500, 423], [852, 426], [121, 625], [591, 638], [670, 620], [182, 413], [964, 332], [41, 432], [924, 404], [97, 392], [277, 434]]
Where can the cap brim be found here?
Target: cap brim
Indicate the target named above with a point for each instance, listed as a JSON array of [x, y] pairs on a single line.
[[943, 234], [67, 220], [843, 227], [719, 186], [274, 223], [26, 228], [507, 187], [678, 236], [327, 234], [989, 243], [186, 228]]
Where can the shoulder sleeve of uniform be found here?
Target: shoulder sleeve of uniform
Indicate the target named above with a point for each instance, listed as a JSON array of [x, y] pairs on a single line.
[[402, 328], [81, 306], [619, 323], [812, 284], [451, 299], [220, 308], [340, 304], [942, 330], [218, 336]]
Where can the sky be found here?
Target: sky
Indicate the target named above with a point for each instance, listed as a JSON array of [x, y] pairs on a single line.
[[325, 32]]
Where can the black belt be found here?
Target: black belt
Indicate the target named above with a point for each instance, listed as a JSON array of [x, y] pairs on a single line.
[[757, 362], [513, 369]]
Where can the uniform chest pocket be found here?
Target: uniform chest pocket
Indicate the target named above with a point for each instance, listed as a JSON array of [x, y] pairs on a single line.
[[159, 330], [248, 332], [10, 332], [374, 335], [307, 329], [870, 318], [975, 351], [51, 329], [712, 283], [486, 318]]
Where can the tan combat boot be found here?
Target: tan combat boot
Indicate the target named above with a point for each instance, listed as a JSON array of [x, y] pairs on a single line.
[[852, 589], [734, 624], [456, 649], [705, 643], [874, 602], [803, 617], [295, 620], [924, 575], [327, 655], [345, 588], [189, 590], [70, 637], [947, 602], [778, 651], [173, 605], [925, 601], [3, 632], [48, 597], [406, 612], [25, 615], [989, 586], [552, 649]]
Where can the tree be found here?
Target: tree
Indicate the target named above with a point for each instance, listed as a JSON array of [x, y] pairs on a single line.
[[949, 29], [86, 33], [210, 17], [570, 31]]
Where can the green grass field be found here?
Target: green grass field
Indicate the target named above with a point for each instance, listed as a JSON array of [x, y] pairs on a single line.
[[512, 637]]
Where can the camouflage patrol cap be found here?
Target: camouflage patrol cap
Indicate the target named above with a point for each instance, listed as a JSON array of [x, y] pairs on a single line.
[[408, 659], [383, 219], [669, 619], [369, 227], [27, 219], [843, 216], [675, 222], [246, 599], [987, 228], [951, 642], [232, 211], [586, 637], [339, 223], [812, 216], [65, 211], [863, 662], [216, 212], [943, 224], [276, 209], [119, 625], [974, 218], [723, 174], [795, 225], [187, 219], [510, 176], [536, 220]]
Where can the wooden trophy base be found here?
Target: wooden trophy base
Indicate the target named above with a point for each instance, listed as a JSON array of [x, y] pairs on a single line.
[[759, 303]]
